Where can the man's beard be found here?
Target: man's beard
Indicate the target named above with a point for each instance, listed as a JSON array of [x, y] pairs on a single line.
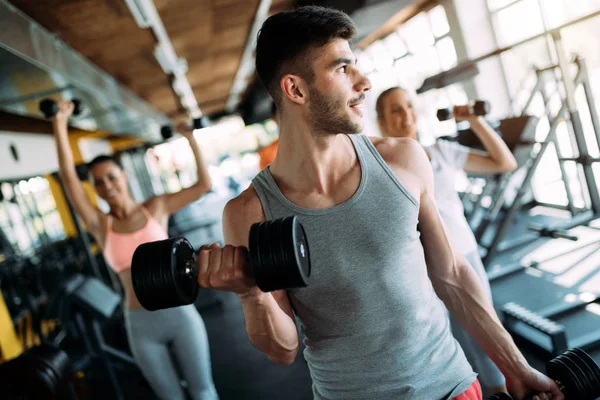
[[329, 116]]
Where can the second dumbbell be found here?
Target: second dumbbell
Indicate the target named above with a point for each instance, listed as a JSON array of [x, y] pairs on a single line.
[[479, 108], [49, 107], [165, 273]]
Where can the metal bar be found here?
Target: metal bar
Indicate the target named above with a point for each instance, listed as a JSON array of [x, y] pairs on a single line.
[[34, 96], [539, 85], [514, 208], [558, 206], [512, 46], [117, 354], [590, 178], [563, 172], [97, 334]]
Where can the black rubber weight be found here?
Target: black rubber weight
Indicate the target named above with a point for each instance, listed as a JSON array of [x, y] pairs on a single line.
[[296, 250], [185, 271], [578, 374], [153, 274], [271, 273], [587, 376], [593, 368], [562, 372], [254, 248], [280, 263]]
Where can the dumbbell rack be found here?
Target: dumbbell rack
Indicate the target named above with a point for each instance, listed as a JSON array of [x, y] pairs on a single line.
[[540, 330]]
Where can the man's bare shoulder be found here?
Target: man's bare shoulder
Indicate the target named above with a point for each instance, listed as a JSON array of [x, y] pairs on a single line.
[[240, 213], [402, 153]]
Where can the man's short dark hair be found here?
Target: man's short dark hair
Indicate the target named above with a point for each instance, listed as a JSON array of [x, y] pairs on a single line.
[[102, 159], [286, 37]]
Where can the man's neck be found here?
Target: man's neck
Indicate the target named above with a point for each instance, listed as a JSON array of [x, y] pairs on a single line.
[[310, 161]]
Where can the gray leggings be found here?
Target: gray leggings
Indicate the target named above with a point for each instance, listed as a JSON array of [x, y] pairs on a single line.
[[153, 334], [489, 374]]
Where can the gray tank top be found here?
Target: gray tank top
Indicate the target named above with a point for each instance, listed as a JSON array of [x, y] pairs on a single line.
[[374, 327]]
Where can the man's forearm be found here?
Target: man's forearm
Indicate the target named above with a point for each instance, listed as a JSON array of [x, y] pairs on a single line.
[[269, 328], [468, 303]]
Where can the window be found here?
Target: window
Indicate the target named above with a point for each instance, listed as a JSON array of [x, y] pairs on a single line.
[[497, 4], [439, 21], [517, 22], [520, 62], [28, 216], [419, 48], [558, 12]]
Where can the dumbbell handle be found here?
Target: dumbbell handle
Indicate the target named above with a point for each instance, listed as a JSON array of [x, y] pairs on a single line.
[[479, 108]]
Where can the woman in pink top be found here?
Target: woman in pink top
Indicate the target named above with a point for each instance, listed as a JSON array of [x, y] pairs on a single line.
[[118, 233]]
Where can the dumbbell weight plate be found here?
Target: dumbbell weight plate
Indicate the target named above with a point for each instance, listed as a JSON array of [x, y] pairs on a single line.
[[185, 271], [279, 259], [578, 371], [48, 107], [279, 254], [254, 248], [590, 369], [268, 278], [593, 368], [164, 274], [296, 250], [559, 370]]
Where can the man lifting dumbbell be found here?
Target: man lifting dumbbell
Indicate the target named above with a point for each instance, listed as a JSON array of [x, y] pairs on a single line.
[[379, 254]]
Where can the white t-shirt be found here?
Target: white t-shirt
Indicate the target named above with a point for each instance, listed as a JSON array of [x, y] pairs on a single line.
[[447, 161]]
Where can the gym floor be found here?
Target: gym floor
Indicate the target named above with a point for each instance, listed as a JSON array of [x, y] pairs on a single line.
[[241, 372]]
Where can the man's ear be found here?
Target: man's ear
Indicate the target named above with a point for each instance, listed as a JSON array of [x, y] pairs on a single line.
[[294, 88]]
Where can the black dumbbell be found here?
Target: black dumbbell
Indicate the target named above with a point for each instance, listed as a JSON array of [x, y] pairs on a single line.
[[480, 108], [49, 107], [576, 374], [166, 131], [41, 372], [165, 273]]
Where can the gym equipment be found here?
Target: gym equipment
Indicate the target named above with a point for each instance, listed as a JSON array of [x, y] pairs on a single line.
[[165, 273], [166, 131], [552, 233], [579, 216], [537, 329], [575, 373], [85, 305], [480, 108], [49, 107], [40, 372]]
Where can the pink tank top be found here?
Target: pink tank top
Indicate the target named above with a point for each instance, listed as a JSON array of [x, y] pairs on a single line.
[[119, 247]]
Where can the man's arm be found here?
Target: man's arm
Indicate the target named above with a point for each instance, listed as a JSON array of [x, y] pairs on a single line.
[[455, 281], [269, 318]]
